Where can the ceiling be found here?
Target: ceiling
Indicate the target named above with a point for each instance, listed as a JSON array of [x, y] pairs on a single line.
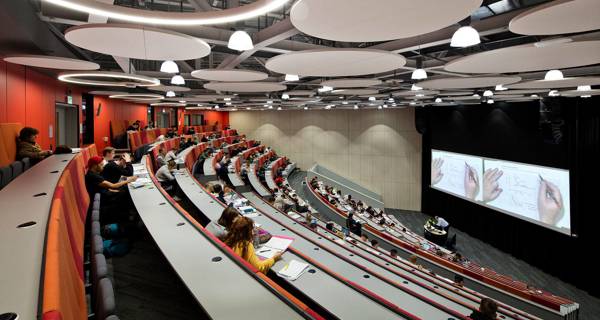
[[38, 27]]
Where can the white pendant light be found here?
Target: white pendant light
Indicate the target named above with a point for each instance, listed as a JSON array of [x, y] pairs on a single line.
[[438, 100], [500, 88], [170, 94], [355, 107], [371, 98], [217, 107], [325, 89], [553, 93], [240, 41], [553, 75], [584, 88], [587, 96], [292, 77], [169, 66], [278, 108], [488, 93], [305, 108], [490, 101], [419, 74], [177, 80], [285, 96], [465, 37], [227, 99], [415, 88]]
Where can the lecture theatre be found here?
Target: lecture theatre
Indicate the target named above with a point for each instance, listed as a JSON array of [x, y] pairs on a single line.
[[299, 159]]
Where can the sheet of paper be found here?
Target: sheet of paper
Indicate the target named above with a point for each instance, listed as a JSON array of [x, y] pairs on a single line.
[[293, 270], [266, 253], [280, 243]]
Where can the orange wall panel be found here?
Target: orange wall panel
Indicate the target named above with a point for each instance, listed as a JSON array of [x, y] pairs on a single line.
[[3, 114], [15, 93]]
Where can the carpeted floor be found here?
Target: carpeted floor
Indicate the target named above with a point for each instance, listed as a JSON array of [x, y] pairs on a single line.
[[486, 255]]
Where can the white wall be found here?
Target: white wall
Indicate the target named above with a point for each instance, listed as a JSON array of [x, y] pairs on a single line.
[[379, 149]]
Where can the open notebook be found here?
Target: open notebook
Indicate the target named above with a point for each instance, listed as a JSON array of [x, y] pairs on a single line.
[[274, 245], [293, 270]]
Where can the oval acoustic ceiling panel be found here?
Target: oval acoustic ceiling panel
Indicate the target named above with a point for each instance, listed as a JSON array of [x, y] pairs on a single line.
[[351, 83], [245, 86], [380, 20], [138, 42], [529, 57], [466, 82], [231, 75], [558, 17], [52, 62], [164, 88], [340, 62], [553, 84], [174, 18]]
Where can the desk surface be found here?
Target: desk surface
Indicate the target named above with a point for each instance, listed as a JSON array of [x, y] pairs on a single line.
[[217, 286], [22, 249], [354, 305], [212, 209], [255, 182]]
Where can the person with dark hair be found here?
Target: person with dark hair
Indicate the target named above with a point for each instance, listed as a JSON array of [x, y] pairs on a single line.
[[240, 238], [220, 228], [116, 167], [110, 193], [217, 190], [394, 253], [487, 310], [28, 148], [204, 139], [374, 243], [459, 281]]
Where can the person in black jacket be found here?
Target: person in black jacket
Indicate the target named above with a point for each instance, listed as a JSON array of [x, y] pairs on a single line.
[[487, 310], [117, 167]]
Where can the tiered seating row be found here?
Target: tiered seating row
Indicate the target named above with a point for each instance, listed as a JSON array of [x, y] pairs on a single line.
[[42, 232], [472, 271]]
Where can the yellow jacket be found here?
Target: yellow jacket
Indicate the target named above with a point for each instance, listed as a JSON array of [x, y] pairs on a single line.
[[262, 265]]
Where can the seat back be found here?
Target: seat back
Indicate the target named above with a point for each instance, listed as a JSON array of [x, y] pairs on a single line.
[[5, 176], [99, 269], [26, 164], [16, 168], [105, 299], [8, 142]]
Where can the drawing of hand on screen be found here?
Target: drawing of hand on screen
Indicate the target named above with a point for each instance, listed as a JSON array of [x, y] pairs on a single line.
[[436, 170], [491, 187], [550, 202], [471, 182]]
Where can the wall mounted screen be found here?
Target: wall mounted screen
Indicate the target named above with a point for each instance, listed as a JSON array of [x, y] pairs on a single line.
[[533, 193]]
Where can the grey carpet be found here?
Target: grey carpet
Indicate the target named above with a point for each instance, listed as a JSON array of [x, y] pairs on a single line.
[[486, 255], [146, 287]]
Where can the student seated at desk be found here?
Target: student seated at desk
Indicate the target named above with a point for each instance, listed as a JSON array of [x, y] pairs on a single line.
[[487, 310], [204, 139], [115, 167], [110, 193], [167, 180], [240, 238], [220, 228], [28, 148]]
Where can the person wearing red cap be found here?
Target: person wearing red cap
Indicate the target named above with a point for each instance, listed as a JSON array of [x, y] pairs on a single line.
[[110, 193]]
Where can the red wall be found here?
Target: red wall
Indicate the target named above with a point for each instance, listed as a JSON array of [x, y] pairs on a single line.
[[114, 110], [28, 97]]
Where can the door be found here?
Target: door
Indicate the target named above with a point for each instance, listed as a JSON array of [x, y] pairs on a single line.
[[67, 125]]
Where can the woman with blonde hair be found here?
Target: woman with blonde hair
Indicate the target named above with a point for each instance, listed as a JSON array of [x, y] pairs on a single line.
[[240, 238]]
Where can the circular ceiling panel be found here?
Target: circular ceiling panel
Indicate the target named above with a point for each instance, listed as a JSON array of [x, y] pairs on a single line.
[[106, 93], [464, 98], [51, 62], [300, 93], [245, 86], [354, 92], [558, 17], [209, 97], [513, 92], [138, 96], [455, 93], [467, 82], [575, 93], [232, 75], [105, 78], [164, 88], [341, 62], [351, 83], [363, 21], [139, 42], [239, 13], [529, 57], [553, 84], [410, 93]]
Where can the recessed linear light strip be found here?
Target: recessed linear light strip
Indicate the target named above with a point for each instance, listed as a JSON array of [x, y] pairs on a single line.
[[245, 12]]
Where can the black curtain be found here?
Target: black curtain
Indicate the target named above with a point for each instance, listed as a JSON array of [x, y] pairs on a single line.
[[559, 132]]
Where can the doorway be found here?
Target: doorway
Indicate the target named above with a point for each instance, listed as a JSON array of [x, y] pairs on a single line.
[[67, 125]]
